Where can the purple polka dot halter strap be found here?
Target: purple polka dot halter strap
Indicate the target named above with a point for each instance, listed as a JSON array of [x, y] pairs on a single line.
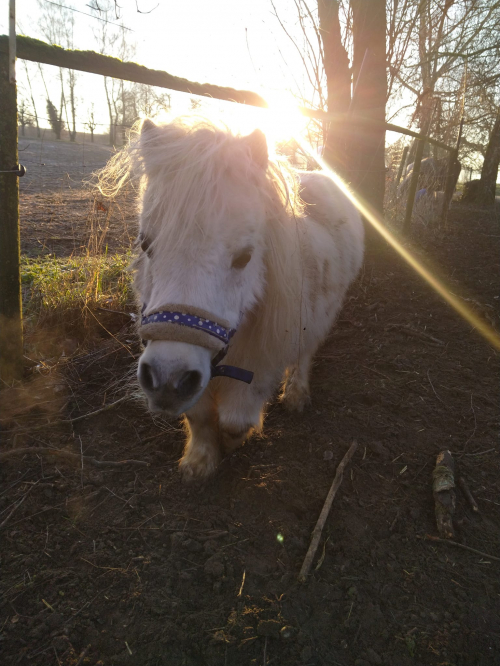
[[191, 321]]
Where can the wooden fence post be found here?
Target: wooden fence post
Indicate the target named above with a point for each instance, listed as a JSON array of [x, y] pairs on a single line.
[[11, 330], [413, 185], [402, 164]]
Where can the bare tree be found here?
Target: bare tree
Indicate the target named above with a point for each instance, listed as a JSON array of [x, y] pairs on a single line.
[[367, 157], [35, 114], [450, 65], [331, 32], [91, 122], [57, 24], [24, 115], [194, 104], [489, 172], [338, 77], [148, 102], [115, 40], [106, 38]]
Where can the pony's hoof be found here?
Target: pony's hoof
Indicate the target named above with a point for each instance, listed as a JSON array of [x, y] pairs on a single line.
[[231, 442], [196, 467], [294, 400]]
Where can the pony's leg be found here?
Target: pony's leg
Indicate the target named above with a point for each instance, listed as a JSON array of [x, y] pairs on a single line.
[[295, 395], [202, 452], [240, 413]]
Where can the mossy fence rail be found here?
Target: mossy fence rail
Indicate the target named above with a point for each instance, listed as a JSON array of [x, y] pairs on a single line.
[[11, 341]]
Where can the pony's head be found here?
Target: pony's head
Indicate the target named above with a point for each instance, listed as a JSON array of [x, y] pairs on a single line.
[[205, 199]]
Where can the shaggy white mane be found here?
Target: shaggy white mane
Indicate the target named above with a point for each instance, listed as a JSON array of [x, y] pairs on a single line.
[[190, 157]]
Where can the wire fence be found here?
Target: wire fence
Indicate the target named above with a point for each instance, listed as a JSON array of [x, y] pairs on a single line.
[[61, 213]]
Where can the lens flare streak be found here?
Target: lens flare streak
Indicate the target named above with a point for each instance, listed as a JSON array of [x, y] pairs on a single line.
[[374, 219]]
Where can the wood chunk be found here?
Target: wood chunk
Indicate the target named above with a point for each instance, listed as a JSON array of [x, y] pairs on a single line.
[[443, 487]]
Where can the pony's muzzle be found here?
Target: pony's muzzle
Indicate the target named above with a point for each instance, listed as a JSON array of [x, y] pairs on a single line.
[[173, 375]]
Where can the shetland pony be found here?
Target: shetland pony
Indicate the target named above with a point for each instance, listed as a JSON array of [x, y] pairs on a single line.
[[241, 256]]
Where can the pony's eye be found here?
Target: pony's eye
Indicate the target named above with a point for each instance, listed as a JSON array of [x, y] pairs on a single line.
[[242, 259]]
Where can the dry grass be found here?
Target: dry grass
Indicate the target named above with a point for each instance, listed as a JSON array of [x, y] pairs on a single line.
[[53, 285]]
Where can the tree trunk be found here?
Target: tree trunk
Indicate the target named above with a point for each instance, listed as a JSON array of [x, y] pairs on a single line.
[[72, 82], [32, 100], [110, 111], [489, 172], [338, 77], [124, 112], [63, 101], [367, 143]]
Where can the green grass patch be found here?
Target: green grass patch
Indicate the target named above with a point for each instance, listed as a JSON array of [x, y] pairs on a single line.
[[53, 285]]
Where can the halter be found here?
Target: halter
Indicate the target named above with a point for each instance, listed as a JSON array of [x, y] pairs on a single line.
[[172, 322]]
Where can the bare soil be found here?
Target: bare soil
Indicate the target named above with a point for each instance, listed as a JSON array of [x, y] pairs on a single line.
[[60, 212], [129, 565]]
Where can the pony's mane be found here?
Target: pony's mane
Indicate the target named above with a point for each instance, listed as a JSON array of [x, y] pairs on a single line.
[[189, 159]]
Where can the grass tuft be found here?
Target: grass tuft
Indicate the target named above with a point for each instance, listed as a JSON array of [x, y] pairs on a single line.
[[53, 285]]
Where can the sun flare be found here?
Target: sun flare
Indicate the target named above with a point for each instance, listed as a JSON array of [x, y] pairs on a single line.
[[377, 222]]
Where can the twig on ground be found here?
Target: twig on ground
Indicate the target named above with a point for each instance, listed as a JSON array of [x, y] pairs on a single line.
[[432, 387], [316, 535], [82, 458], [242, 584], [475, 424], [381, 374], [429, 537], [17, 505], [82, 656], [477, 453], [414, 333], [55, 424], [72, 456], [468, 495]]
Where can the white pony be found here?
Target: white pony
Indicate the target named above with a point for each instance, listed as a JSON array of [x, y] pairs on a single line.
[[239, 255]]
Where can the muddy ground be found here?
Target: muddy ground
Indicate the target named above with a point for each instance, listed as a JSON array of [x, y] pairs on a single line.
[[128, 565]]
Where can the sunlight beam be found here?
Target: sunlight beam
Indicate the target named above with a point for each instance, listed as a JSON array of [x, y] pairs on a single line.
[[377, 223]]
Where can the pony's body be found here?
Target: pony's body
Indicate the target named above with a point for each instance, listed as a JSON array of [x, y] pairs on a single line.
[[231, 236]]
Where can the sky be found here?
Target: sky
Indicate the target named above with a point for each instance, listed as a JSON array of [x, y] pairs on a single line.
[[224, 42], [228, 43]]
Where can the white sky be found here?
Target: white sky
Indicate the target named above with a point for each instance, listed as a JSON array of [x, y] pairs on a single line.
[[234, 43]]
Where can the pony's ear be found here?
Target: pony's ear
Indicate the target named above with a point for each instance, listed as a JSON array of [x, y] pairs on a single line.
[[147, 126], [258, 147]]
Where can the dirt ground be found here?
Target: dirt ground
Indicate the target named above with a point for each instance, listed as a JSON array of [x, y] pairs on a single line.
[[54, 186], [128, 565]]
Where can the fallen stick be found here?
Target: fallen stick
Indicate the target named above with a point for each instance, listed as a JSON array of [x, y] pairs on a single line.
[[72, 456], [468, 495], [83, 654], [316, 535], [16, 507], [443, 484], [54, 424], [416, 334], [461, 545]]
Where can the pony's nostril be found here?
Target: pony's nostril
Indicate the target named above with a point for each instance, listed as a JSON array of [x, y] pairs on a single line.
[[147, 377], [189, 383]]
